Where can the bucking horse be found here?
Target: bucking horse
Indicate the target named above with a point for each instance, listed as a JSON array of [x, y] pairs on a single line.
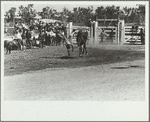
[[81, 42]]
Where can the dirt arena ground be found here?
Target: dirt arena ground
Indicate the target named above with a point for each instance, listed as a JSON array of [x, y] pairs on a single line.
[[108, 72]]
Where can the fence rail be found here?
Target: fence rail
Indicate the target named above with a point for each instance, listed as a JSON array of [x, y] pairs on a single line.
[[132, 35]]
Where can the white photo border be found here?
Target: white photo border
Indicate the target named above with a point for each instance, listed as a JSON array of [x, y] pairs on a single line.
[[75, 110]]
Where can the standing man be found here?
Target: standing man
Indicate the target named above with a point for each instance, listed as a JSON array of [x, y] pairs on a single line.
[[64, 33], [142, 36], [18, 38], [64, 28], [24, 38], [28, 36], [23, 24], [41, 38], [46, 34]]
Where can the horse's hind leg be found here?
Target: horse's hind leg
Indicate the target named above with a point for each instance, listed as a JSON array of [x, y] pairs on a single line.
[[72, 48], [82, 49], [6, 50], [79, 50], [68, 52], [9, 51]]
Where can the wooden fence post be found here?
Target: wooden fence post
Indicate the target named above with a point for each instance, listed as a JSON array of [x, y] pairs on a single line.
[[96, 33], [70, 27], [118, 32], [70, 31], [91, 33], [122, 31]]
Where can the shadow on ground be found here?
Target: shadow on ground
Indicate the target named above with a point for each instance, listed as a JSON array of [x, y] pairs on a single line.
[[56, 57]]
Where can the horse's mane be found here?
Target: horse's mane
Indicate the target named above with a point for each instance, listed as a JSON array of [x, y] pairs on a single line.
[[83, 35]]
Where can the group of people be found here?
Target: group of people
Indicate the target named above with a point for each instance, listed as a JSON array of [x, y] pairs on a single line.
[[48, 33]]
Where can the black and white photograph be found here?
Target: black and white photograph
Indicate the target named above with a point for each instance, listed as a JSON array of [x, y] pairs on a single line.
[[74, 55]]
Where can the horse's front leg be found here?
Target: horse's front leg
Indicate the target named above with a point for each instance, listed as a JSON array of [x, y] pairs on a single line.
[[20, 46], [72, 48], [80, 51], [85, 49]]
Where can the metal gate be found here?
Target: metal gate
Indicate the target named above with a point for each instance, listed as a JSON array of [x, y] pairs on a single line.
[[108, 30]]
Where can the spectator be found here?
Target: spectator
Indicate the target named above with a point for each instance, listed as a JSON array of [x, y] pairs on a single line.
[[142, 36], [19, 39], [28, 36], [41, 37], [64, 30]]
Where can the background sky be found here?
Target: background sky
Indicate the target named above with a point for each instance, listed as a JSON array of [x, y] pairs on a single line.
[[70, 5]]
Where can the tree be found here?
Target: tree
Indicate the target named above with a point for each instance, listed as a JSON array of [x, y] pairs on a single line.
[[64, 15], [75, 17], [88, 14], [109, 12], [11, 14], [21, 8], [45, 12], [134, 15], [27, 13], [100, 11], [141, 13], [49, 13], [82, 15]]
